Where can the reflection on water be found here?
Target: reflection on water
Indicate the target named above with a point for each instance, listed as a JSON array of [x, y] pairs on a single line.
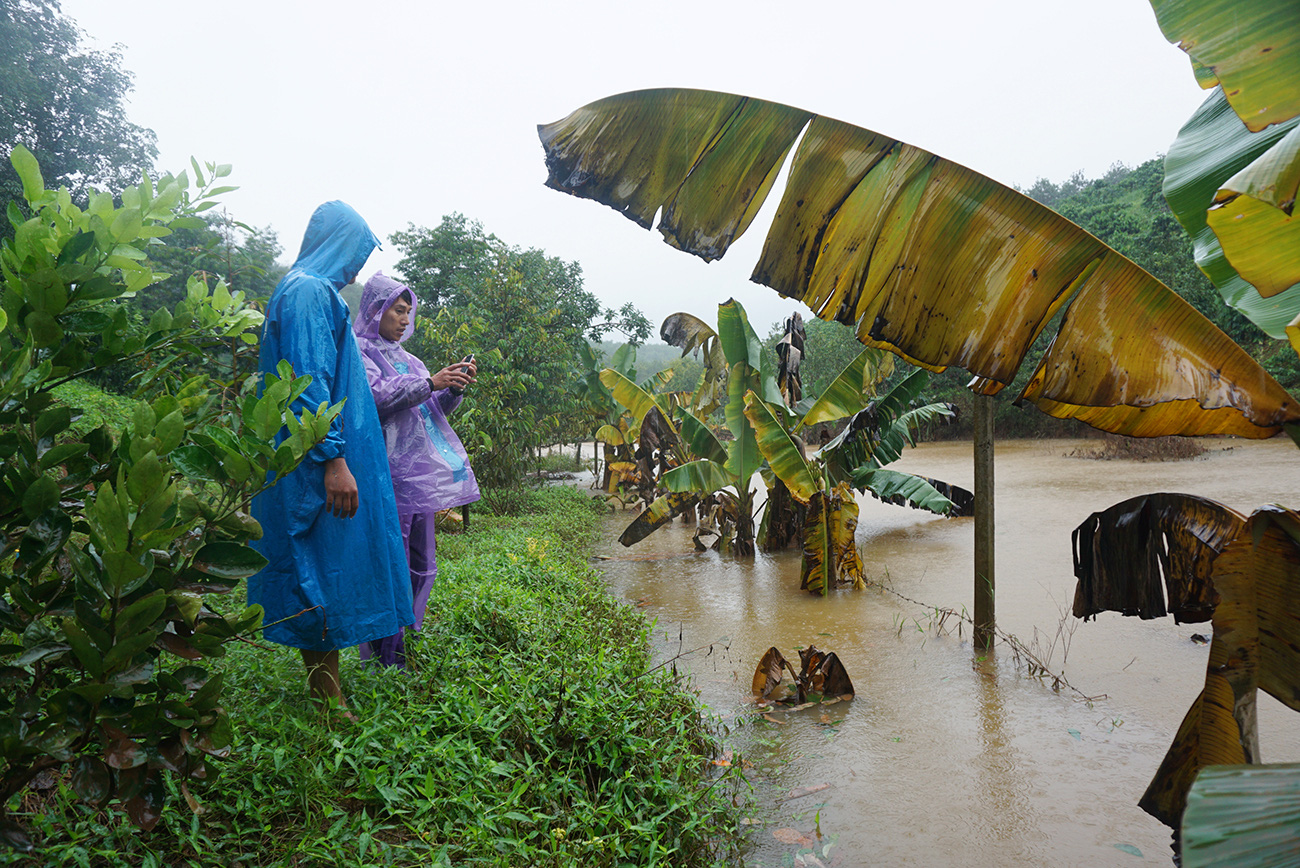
[[946, 756]]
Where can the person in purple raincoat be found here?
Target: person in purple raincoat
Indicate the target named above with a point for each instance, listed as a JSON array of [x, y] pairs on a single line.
[[429, 466]]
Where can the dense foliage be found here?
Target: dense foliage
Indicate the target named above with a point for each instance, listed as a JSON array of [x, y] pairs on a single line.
[[112, 542], [526, 317], [529, 732]]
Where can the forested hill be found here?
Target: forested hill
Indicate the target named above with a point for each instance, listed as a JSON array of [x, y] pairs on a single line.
[[1127, 210]]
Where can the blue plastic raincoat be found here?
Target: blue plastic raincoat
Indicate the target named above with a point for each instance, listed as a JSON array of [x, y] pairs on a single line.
[[350, 574]]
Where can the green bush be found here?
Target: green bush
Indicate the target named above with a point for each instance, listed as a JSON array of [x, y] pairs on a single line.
[[115, 540]]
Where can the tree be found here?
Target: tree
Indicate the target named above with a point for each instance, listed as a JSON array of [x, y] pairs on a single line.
[[66, 104], [527, 318]]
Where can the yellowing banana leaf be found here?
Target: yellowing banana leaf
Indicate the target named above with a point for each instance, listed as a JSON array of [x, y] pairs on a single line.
[[1252, 218], [1244, 816], [830, 552], [700, 439], [660, 512], [1250, 47], [922, 256], [637, 400], [1212, 148], [1128, 557], [782, 453], [609, 434], [850, 391]]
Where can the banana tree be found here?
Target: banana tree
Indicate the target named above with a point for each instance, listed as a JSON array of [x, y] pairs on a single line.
[[1199, 560], [874, 437], [921, 256]]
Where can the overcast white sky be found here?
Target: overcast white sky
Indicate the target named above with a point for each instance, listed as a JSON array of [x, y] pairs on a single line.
[[412, 110]]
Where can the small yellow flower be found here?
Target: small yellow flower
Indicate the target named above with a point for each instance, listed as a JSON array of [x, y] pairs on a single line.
[[558, 832]]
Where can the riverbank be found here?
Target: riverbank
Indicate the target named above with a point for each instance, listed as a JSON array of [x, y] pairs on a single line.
[[526, 732]]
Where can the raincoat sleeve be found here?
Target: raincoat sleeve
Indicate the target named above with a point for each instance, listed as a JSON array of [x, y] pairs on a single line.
[[395, 392], [308, 339], [448, 400]]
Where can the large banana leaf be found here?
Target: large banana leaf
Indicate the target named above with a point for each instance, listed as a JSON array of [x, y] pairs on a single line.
[[922, 256], [782, 453], [904, 489], [1243, 817], [743, 457], [702, 477], [850, 391], [700, 438], [1250, 47], [1212, 149], [637, 400], [663, 510], [1251, 591]]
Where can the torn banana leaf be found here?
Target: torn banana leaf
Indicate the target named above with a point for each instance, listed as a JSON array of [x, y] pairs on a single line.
[[1136, 555], [663, 510], [920, 255]]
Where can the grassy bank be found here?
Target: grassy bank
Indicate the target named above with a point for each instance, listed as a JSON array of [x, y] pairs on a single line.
[[527, 732]]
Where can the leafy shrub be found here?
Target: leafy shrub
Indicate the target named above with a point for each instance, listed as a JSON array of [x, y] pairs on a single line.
[[114, 540]]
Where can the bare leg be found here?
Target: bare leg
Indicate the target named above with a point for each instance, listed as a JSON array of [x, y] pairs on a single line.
[[323, 679]]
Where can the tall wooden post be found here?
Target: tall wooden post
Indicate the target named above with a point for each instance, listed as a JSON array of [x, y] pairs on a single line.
[[985, 620]]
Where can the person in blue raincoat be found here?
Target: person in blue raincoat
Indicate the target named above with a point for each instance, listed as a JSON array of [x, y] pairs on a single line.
[[336, 563]]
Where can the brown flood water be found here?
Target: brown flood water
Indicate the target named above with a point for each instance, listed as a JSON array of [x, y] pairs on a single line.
[[944, 758]]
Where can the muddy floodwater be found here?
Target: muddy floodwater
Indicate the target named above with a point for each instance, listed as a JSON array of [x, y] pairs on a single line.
[[947, 756]]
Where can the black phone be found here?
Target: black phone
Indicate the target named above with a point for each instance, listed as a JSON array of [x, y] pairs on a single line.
[[468, 360]]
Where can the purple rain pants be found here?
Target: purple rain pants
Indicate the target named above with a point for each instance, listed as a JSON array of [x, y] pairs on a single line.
[[422, 555]]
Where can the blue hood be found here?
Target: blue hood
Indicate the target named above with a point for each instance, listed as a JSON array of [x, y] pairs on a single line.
[[336, 245]]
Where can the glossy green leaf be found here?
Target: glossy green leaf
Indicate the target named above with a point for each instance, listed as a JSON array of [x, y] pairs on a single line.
[[782, 453], [894, 486], [922, 256], [1250, 47], [1212, 148], [1244, 816], [701, 477], [700, 438], [29, 172], [743, 457], [851, 389], [228, 560]]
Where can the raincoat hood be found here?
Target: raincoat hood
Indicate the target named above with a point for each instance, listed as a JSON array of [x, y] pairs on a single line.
[[376, 298], [336, 244]]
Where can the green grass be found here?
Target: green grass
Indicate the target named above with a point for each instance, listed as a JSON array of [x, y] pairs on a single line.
[[526, 732], [97, 406]]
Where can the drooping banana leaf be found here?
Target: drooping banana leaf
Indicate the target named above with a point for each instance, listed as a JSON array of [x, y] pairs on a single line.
[[1212, 148], [922, 256], [860, 443], [1135, 555], [1250, 47], [789, 358], [782, 453], [609, 434], [830, 551], [851, 389], [902, 489], [1243, 816], [663, 510]]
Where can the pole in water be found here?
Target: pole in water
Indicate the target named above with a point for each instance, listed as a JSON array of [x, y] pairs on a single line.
[[985, 619]]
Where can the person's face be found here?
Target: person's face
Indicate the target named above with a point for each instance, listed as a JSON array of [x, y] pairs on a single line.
[[392, 325]]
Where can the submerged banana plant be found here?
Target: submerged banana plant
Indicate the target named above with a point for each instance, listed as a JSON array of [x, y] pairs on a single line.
[[1199, 560]]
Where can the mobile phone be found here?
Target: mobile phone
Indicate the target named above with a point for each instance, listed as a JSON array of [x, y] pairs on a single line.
[[468, 360]]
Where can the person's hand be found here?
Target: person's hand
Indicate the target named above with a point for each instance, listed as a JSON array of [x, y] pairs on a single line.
[[456, 376], [340, 489]]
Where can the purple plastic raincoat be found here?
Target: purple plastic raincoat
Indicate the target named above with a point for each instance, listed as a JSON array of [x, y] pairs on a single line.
[[429, 466], [339, 581]]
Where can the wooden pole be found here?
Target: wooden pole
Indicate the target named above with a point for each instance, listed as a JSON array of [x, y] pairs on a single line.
[[985, 619]]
